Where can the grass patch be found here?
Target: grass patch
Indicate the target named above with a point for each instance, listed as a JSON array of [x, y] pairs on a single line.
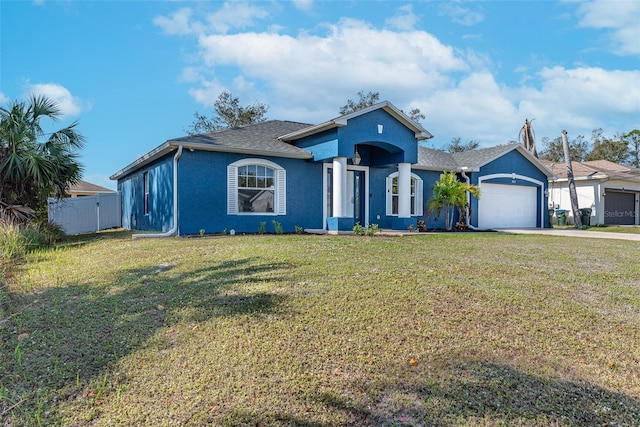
[[454, 329], [631, 229]]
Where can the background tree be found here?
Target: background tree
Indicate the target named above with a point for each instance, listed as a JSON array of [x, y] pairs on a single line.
[[228, 113], [450, 193], [371, 98], [457, 146], [615, 149], [552, 149], [633, 143], [365, 100], [416, 115], [31, 169]]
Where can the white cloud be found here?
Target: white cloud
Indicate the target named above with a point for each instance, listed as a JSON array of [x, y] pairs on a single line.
[[207, 93], [578, 100], [461, 15], [620, 17], [351, 54], [303, 4], [582, 98], [70, 106], [179, 23], [3, 98], [307, 77], [405, 20], [234, 15]]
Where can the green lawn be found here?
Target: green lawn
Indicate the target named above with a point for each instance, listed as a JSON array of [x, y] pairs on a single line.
[[632, 229], [451, 329]]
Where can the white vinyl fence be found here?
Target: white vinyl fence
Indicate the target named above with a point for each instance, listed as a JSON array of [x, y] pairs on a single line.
[[86, 214]]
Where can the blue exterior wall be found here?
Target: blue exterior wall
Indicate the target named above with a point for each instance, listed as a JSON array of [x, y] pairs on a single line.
[[131, 187], [202, 190], [396, 138], [377, 198], [512, 162], [322, 146], [429, 178], [395, 144]]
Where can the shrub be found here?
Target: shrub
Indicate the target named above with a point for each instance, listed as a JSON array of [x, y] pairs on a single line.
[[18, 239], [369, 230], [358, 229]]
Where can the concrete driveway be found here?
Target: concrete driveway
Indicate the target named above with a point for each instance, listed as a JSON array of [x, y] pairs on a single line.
[[573, 233]]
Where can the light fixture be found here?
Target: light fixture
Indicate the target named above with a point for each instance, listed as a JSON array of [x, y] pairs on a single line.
[[356, 157], [380, 128]]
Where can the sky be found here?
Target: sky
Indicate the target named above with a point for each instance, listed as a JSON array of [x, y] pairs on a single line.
[[133, 73]]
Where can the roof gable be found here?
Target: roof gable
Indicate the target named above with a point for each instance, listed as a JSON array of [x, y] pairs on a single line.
[[420, 132]]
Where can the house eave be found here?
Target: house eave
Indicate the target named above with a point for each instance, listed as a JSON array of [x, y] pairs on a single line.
[[219, 149], [170, 146], [311, 130], [144, 160], [582, 178]]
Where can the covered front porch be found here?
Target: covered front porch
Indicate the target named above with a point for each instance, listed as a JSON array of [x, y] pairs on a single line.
[[353, 147]]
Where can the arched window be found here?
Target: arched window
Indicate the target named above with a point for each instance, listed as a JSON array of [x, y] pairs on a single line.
[[256, 186], [416, 195]]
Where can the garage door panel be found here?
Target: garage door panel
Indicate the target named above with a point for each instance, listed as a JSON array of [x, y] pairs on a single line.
[[619, 208], [507, 206]]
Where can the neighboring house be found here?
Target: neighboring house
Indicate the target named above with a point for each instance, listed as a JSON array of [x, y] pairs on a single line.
[[365, 167], [610, 190], [84, 188]]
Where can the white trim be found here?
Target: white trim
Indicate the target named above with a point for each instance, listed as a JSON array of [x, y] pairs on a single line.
[[325, 168], [540, 184], [280, 187], [417, 199]]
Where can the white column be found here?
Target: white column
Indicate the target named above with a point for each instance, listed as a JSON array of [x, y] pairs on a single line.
[[404, 190], [339, 186]]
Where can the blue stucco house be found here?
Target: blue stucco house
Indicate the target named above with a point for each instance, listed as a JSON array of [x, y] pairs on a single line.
[[367, 167]]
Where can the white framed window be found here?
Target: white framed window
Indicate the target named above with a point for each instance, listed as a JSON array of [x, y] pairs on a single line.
[[256, 186], [416, 195]]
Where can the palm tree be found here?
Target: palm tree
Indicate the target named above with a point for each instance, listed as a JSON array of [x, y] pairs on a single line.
[[450, 193], [33, 168]]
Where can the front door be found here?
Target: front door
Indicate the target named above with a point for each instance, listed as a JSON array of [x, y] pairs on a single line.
[[356, 195], [357, 190]]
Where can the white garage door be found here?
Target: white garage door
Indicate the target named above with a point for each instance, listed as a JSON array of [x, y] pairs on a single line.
[[507, 206]]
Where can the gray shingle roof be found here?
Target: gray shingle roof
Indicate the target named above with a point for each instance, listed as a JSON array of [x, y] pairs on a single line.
[[438, 160], [476, 158], [259, 137]]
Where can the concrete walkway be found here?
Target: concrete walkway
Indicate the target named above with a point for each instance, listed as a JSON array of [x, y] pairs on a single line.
[[573, 233]]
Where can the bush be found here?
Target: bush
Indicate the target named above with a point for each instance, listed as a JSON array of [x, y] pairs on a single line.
[[369, 230], [17, 239]]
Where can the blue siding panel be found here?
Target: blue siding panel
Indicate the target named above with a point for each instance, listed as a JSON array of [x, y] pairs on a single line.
[[395, 136], [203, 195], [160, 216]]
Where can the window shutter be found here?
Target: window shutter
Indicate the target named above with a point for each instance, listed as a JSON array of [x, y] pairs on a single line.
[[232, 190], [389, 195], [281, 192], [419, 198]]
